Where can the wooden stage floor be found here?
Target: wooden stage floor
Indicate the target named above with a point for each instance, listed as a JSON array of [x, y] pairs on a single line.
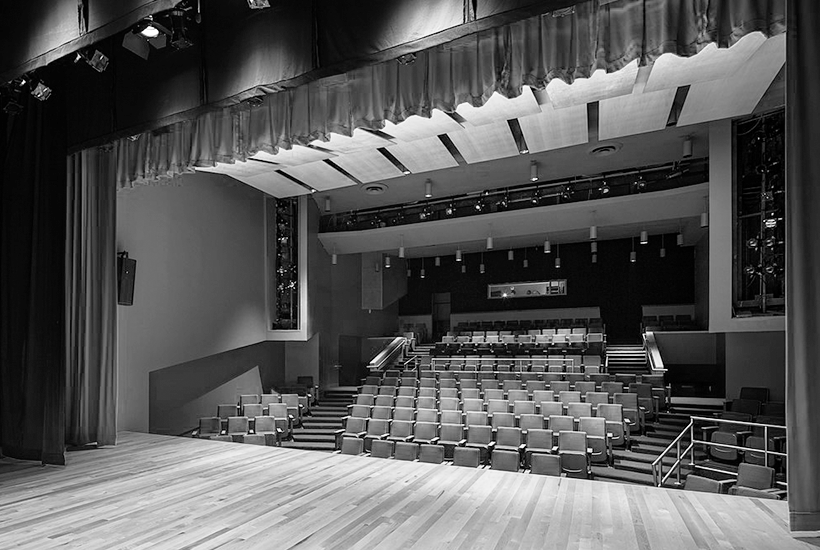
[[154, 491]]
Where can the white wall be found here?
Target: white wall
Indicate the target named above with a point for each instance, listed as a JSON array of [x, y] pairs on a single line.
[[721, 221], [199, 279]]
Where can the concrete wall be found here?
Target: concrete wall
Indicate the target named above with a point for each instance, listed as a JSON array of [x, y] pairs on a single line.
[[702, 282], [756, 359], [199, 281]]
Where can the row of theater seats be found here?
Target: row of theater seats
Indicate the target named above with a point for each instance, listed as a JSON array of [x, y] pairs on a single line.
[[516, 363], [572, 456], [753, 480], [593, 323], [271, 415], [523, 345]]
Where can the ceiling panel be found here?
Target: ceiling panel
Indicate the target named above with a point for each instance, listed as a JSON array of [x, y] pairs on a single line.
[[634, 114], [418, 127], [361, 139], [367, 166], [739, 94], [423, 155], [260, 175], [320, 175], [711, 63], [295, 156], [601, 85], [555, 128], [487, 142], [499, 107]]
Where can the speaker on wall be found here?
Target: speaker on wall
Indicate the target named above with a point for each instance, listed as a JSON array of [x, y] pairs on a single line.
[[126, 271]]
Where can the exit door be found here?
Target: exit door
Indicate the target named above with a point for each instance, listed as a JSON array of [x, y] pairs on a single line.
[[441, 315]]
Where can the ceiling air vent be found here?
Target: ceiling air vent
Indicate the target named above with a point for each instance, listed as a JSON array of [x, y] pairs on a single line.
[[605, 149], [374, 188]]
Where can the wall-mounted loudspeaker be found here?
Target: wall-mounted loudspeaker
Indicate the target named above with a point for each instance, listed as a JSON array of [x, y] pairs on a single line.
[[126, 271]]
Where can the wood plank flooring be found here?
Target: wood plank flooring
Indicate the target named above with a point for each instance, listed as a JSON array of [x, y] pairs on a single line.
[[154, 491]]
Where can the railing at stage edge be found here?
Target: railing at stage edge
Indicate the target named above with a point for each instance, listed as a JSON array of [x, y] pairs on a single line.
[[653, 353], [659, 478]]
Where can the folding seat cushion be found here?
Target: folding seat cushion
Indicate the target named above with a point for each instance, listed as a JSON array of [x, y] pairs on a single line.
[[252, 439], [466, 457], [266, 428], [507, 461], [209, 427], [381, 448], [539, 441], [481, 438], [427, 415], [352, 446], [758, 481], [405, 451], [701, 484], [425, 433], [517, 395], [530, 421], [572, 448], [502, 419], [543, 395], [724, 454], [549, 408], [597, 439], [577, 410], [477, 418], [545, 464], [237, 427], [558, 423], [452, 417], [401, 430], [432, 454], [757, 456], [376, 429], [382, 413], [451, 436]]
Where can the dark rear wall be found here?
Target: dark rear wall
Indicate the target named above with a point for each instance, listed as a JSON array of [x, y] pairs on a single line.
[[615, 285]]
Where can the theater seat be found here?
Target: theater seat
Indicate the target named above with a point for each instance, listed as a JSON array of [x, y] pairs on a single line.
[[574, 453], [538, 442], [209, 427], [432, 454], [352, 446], [405, 451], [451, 437], [507, 461], [481, 438], [758, 481], [546, 465], [466, 457], [702, 484], [265, 427]]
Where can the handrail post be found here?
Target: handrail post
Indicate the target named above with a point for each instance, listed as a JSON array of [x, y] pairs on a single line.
[[678, 463], [766, 445], [692, 443]]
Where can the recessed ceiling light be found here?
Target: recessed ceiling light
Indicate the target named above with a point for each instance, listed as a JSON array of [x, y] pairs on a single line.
[[605, 149], [374, 188]]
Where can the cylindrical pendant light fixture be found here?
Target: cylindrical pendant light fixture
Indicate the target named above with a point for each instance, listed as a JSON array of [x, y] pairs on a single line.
[[409, 272], [458, 254], [526, 261], [593, 247], [679, 239], [421, 273], [663, 248], [387, 261], [595, 258], [547, 246], [481, 265], [327, 204], [428, 189], [704, 217], [438, 261], [633, 257], [489, 243], [533, 171], [557, 256], [593, 232], [510, 255], [401, 246], [464, 268], [644, 237], [334, 258]]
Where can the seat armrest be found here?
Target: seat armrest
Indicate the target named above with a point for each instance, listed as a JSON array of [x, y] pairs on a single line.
[[491, 444], [408, 438], [554, 449], [361, 434], [522, 447], [434, 441], [461, 442], [335, 432]]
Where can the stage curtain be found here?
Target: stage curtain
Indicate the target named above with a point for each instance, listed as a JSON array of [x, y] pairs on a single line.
[[32, 250], [91, 299], [466, 70], [803, 266]]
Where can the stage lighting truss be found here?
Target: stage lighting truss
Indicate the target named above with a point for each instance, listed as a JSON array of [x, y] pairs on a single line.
[[760, 233]]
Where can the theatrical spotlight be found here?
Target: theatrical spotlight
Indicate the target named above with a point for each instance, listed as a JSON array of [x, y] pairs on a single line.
[[95, 59], [148, 28], [36, 87], [144, 35], [180, 35], [258, 4]]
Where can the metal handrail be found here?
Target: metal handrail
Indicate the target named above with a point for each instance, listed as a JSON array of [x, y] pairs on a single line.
[[658, 476], [653, 353], [388, 354]]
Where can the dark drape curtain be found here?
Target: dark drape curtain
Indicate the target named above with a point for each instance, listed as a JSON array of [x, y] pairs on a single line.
[[32, 250], [803, 265], [91, 298], [467, 70]]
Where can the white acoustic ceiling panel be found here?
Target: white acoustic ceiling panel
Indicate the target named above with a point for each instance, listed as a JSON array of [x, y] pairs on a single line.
[[418, 127], [634, 114], [319, 175], [260, 175], [499, 107], [361, 139], [367, 166], [739, 94], [555, 128], [487, 142], [295, 156], [423, 155], [601, 85], [711, 63]]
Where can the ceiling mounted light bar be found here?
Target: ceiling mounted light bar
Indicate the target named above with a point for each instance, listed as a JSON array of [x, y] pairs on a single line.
[[518, 136], [394, 161], [258, 4]]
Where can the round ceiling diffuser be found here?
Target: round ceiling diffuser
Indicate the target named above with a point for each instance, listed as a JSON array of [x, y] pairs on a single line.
[[605, 149], [374, 188]]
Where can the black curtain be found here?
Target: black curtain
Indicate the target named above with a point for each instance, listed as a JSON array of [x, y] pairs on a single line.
[[803, 264], [32, 259]]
